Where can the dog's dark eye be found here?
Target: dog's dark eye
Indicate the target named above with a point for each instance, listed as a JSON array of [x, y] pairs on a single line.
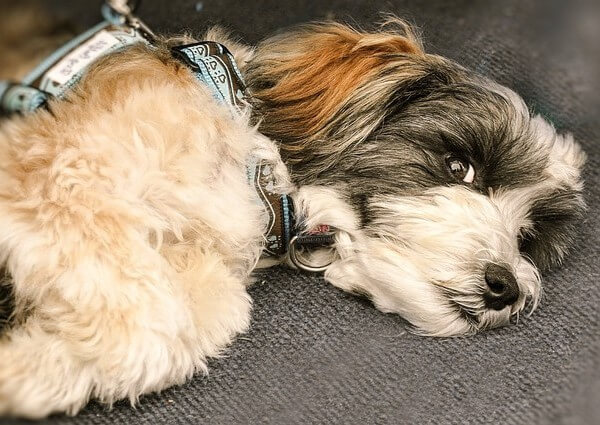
[[461, 169]]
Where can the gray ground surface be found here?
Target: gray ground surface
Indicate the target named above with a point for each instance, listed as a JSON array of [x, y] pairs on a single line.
[[317, 355]]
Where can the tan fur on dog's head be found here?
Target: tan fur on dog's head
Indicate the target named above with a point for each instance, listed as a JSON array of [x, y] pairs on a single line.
[[304, 80]]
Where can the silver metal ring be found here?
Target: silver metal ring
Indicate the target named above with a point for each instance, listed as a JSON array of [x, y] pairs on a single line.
[[296, 259]]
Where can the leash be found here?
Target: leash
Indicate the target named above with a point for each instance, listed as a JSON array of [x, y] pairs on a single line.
[[63, 69], [213, 65]]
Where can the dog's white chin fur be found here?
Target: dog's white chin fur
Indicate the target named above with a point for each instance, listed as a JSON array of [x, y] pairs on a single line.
[[427, 255]]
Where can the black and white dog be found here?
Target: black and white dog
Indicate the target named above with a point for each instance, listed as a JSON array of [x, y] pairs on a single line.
[[137, 197], [448, 194]]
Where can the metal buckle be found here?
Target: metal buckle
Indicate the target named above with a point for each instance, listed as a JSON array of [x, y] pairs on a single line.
[[120, 13], [297, 260]]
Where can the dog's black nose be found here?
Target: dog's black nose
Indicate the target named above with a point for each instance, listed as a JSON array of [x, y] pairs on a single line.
[[502, 287]]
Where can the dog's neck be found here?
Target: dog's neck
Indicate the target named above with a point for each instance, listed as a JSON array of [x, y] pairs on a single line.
[[319, 209]]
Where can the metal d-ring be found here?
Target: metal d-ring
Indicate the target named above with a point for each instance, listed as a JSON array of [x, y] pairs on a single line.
[[297, 260]]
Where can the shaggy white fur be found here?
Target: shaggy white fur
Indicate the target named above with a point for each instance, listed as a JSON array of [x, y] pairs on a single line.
[[130, 230]]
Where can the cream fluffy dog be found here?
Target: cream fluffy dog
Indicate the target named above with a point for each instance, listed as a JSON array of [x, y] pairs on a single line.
[[130, 230]]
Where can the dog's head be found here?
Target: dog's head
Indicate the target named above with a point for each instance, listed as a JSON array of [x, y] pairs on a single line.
[[449, 194]]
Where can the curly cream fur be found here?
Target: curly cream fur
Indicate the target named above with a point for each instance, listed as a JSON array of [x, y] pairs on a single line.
[[130, 232]]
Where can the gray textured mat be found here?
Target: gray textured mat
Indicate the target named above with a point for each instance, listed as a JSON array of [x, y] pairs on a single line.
[[317, 355]]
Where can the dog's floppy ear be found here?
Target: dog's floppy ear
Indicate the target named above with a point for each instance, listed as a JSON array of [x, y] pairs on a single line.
[[302, 78], [555, 216], [556, 213]]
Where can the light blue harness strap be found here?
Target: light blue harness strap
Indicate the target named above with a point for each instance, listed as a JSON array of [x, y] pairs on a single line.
[[20, 98], [63, 69], [111, 15], [61, 52], [23, 97], [214, 65]]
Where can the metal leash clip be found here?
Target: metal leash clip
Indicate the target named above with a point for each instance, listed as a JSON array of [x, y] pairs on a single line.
[[320, 239], [119, 12]]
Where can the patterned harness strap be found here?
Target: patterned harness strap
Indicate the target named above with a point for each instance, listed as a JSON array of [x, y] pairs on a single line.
[[214, 65]]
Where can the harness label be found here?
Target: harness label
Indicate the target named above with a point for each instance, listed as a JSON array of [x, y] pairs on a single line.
[[78, 59]]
